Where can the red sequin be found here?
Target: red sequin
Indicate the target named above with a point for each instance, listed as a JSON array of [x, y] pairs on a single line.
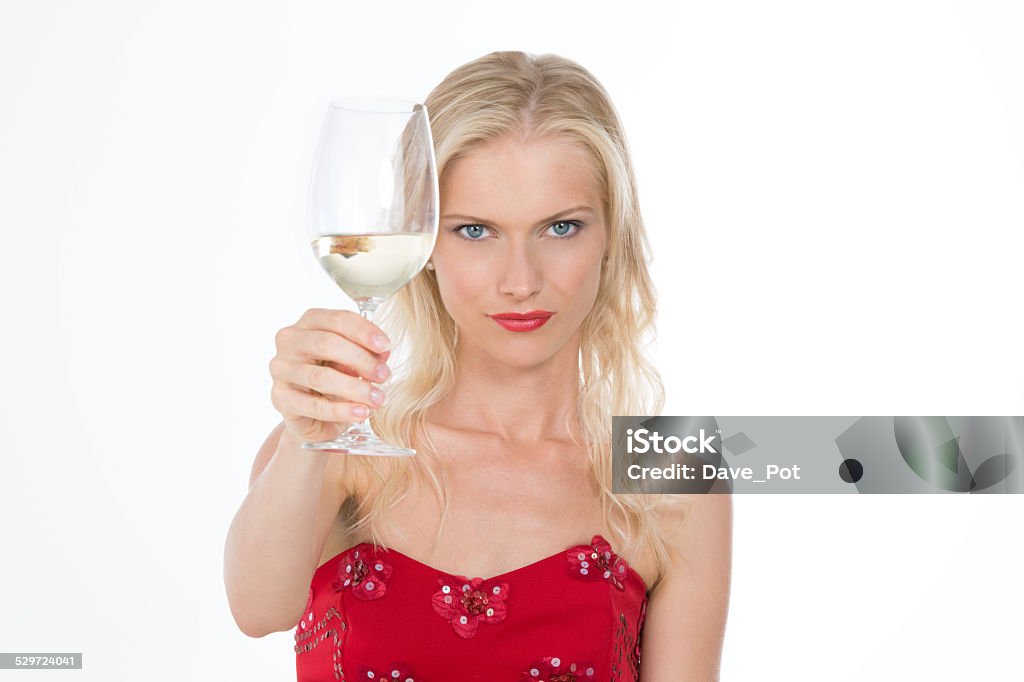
[[555, 669], [639, 629], [306, 620], [396, 672]]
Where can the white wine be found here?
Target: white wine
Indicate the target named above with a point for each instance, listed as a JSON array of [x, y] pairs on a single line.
[[373, 266]]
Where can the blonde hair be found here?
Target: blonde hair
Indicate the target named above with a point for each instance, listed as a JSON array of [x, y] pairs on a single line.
[[513, 93]]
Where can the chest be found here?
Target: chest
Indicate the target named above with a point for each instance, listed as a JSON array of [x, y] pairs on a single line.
[[506, 508], [503, 512]]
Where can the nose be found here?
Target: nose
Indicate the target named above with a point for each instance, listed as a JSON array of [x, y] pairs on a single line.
[[521, 277]]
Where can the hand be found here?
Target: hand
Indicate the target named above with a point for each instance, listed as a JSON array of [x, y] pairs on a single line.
[[317, 370]]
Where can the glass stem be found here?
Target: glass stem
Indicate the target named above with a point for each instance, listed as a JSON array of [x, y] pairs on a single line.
[[366, 309]]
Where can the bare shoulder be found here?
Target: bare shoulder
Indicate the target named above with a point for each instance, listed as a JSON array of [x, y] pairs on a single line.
[[695, 523], [688, 608]]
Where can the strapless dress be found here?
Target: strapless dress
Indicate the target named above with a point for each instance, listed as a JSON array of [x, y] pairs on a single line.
[[377, 614]]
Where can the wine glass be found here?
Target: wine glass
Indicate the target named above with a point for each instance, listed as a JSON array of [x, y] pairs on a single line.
[[372, 215]]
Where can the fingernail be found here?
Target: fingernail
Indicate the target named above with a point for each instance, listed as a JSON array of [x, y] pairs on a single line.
[[381, 372], [376, 396], [381, 342], [360, 411]]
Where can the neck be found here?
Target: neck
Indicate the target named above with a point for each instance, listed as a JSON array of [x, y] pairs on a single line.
[[516, 404]]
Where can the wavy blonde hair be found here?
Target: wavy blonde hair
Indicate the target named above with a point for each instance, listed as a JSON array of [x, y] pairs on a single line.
[[513, 93]]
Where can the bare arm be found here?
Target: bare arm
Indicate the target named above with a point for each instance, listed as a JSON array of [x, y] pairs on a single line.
[[276, 539], [322, 373], [686, 615]]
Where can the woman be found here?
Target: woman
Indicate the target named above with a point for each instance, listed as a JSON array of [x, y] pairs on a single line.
[[498, 552]]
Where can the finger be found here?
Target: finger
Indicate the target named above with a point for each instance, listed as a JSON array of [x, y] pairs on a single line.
[[313, 431], [327, 381], [314, 344], [295, 404], [349, 371], [340, 368], [349, 324]]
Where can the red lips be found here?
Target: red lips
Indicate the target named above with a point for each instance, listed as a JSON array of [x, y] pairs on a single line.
[[522, 322]]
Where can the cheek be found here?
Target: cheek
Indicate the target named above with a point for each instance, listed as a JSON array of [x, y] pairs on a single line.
[[460, 286], [579, 283], [592, 286]]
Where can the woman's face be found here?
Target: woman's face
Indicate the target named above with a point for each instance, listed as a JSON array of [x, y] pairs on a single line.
[[522, 230]]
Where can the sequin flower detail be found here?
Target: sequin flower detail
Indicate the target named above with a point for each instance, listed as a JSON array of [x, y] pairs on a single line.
[[363, 574], [396, 672], [553, 669], [466, 603], [597, 561], [306, 621]]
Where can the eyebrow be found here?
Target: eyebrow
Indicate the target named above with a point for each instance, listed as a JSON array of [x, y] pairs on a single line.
[[483, 221]]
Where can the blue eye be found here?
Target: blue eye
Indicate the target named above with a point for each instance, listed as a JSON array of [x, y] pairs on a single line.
[[562, 227], [475, 231]]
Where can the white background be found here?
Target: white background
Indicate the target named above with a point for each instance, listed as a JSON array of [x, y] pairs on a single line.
[[834, 192]]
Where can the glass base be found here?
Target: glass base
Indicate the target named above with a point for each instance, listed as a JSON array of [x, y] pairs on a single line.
[[359, 440]]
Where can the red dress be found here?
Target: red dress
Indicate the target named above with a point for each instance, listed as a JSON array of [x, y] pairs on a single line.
[[380, 615]]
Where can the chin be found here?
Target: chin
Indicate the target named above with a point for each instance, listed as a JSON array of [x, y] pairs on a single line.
[[525, 354], [515, 350]]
